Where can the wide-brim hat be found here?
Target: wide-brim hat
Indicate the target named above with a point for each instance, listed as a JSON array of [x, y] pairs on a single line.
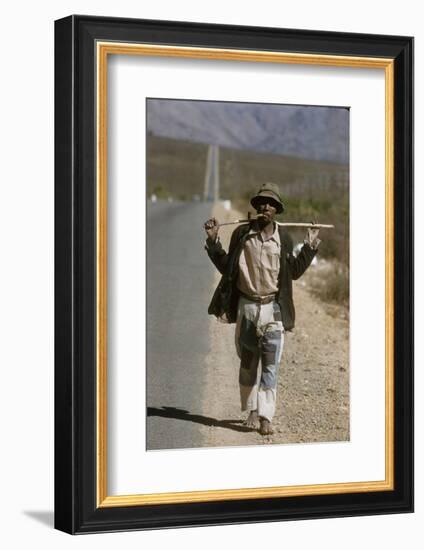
[[270, 191]]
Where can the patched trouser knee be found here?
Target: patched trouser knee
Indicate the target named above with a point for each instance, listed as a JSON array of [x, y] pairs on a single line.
[[249, 353], [270, 355]]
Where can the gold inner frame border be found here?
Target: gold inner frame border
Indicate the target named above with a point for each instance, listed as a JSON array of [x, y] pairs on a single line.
[[103, 50]]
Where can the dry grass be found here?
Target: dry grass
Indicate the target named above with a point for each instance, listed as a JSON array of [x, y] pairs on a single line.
[[329, 281]]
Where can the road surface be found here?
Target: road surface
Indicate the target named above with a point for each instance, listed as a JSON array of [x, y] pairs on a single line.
[[179, 284]]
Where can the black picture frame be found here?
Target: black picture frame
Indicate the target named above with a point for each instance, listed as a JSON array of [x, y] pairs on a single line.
[[76, 483]]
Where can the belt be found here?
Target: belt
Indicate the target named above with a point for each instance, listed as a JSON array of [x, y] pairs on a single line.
[[259, 299]]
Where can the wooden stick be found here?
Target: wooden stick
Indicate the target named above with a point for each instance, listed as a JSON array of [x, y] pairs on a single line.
[[249, 219], [284, 224], [311, 225], [236, 221]]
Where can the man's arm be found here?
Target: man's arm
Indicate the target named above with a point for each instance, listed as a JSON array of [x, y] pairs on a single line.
[[217, 254], [213, 245], [300, 264]]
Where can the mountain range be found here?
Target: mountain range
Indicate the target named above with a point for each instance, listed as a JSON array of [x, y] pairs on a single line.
[[310, 132]]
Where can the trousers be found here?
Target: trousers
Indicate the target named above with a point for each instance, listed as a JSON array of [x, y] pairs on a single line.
[[259, 342]]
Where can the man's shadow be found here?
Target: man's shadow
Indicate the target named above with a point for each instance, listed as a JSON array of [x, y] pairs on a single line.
[[181, 414]]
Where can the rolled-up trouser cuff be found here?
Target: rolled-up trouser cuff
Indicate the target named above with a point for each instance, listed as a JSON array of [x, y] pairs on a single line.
[[266, 403], [262, 400]]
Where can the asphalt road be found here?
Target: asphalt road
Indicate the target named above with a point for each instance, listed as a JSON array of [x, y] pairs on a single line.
[[179, 285]]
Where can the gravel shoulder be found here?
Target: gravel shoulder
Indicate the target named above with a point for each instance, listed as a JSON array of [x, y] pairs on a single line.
[[313, 386]]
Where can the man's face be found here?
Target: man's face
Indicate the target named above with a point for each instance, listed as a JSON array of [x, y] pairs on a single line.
[[266, 207]]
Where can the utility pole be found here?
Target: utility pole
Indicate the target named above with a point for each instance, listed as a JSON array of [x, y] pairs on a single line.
[[211, 187]]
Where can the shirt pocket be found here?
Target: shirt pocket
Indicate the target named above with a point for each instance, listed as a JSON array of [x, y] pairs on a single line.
[[274, 259]]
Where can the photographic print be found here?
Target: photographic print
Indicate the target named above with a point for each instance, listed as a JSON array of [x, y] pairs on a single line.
[[247, 216]]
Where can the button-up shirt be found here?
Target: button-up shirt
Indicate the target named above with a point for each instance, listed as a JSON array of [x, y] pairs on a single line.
[[259, 264]]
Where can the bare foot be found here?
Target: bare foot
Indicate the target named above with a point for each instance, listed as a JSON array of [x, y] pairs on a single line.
[[252, 421], [265, 427]]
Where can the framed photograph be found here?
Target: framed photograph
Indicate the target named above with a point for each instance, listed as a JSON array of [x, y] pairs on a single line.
[[234, 274]]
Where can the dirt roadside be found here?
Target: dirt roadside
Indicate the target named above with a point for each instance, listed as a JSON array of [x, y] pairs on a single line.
[[313, 386]]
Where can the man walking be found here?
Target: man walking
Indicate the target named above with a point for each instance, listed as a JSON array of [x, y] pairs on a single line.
[[255, 292]]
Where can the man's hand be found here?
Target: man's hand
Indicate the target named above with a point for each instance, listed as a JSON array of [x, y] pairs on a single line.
[[212, 228], [312, 237]]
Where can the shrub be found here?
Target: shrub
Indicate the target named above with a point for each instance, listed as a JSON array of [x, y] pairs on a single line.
[[329, 280]]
